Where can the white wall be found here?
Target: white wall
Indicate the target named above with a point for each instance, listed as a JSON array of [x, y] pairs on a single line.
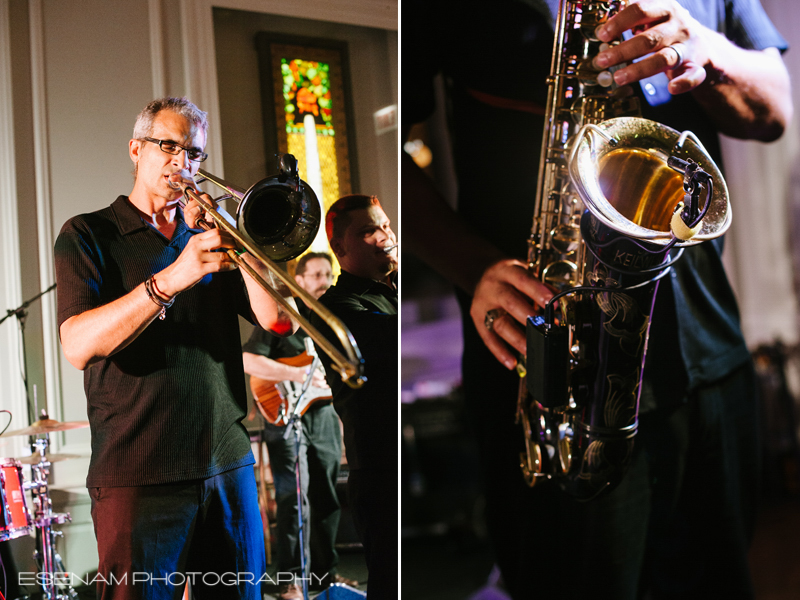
[[373, 74], [758, 255], [73, 76]]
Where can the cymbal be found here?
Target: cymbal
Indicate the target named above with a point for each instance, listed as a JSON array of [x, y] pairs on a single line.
[[47, 426], [34, 459]]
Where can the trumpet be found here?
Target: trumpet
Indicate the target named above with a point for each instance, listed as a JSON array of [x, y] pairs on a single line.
[[276, 220]]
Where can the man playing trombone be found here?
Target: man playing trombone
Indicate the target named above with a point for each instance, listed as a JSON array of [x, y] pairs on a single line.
[[147, 308]]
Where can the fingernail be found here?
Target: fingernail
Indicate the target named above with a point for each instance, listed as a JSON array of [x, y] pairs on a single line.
[[510, 364], [621, 77], [601, 60], [601, 33]]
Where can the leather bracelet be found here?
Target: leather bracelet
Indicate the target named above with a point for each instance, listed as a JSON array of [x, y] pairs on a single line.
[[158, 292], [149, 286]]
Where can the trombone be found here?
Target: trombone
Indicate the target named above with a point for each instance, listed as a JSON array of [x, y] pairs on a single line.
[[280, 216]]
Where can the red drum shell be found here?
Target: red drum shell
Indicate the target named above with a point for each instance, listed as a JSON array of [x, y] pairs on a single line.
[[15, 519]]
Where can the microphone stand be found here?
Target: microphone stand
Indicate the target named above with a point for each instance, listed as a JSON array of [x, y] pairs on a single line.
[[295, 424], [22, 314]]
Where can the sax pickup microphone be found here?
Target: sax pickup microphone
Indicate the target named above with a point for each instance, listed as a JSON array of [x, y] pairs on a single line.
[[547, 362]]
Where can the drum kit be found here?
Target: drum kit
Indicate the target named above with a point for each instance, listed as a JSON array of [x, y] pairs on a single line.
[[16, 520]]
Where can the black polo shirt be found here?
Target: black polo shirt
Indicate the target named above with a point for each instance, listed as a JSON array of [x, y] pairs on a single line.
[[369, 310], [168, 407]]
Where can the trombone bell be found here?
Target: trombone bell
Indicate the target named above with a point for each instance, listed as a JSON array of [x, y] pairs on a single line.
[[280, 214], [277, 219]]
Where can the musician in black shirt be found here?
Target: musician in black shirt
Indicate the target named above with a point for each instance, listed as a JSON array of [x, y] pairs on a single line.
[[320, 444], [148, 310], [365, 299]]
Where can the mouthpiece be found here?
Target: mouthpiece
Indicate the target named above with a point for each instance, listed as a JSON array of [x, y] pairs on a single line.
[[180, 179], [388, 249]]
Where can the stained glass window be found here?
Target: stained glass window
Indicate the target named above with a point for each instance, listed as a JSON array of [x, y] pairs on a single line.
[[308, 99], [305, 86], [307, 90]]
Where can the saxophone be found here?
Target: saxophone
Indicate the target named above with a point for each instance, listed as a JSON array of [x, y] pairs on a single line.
[[618, 198]]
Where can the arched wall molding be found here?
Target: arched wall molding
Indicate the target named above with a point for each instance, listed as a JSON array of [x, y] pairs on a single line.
[[44, 211], [380, 14], [10, 270], [157, 48], [200, 71], [199, 58]]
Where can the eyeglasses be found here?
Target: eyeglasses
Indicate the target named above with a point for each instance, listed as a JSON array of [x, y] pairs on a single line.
[[171, 147]]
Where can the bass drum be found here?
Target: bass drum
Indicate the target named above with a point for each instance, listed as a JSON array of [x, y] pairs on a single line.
[[15, 519]]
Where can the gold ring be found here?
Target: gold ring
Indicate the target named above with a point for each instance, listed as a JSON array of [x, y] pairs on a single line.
[[491, 316]]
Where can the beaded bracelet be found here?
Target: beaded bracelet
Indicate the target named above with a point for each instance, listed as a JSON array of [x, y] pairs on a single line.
[[151, 287]]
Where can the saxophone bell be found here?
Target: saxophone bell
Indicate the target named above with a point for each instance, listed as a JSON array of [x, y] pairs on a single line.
[[631, 173]]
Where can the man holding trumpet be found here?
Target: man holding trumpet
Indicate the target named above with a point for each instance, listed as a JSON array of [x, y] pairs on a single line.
[[147, 308]]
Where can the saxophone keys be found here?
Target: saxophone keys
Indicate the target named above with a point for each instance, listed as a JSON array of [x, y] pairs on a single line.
[[605, 79], [561, 274], [565, 435], [531, 463], [565, 239]]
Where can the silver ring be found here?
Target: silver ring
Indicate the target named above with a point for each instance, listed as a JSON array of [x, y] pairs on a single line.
[[491, 316], [676, 47]]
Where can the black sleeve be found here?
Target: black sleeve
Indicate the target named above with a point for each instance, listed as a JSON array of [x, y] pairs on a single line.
[[420, 59], [79, 270], [748, 26], [260, 342]]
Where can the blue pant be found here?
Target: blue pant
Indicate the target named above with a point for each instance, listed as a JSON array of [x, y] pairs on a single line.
[[152, 539]]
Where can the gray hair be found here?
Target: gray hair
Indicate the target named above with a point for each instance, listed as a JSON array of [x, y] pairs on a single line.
[[182, 106]]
